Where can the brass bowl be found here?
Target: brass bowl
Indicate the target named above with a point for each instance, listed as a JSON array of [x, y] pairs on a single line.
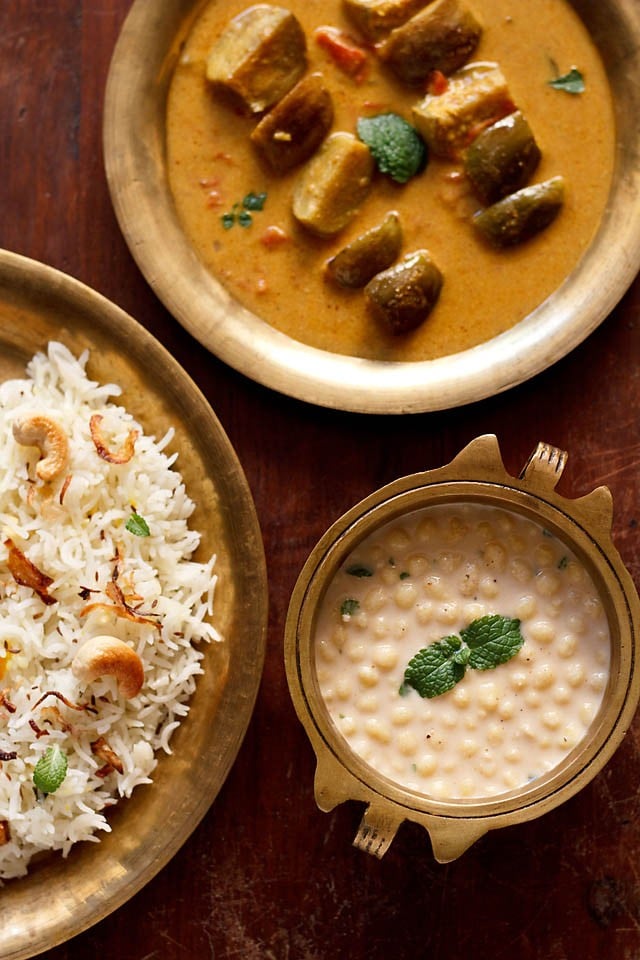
[[475, 475], [61, 897], [134, 150]]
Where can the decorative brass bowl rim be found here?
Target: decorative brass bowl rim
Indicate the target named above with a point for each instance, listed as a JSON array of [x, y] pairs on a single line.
[[134, 150], [477, 474]]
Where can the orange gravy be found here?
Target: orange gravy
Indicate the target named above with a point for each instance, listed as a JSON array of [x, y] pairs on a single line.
[[212, 165]]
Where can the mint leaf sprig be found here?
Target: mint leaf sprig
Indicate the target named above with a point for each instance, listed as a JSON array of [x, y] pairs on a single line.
[[396, 146], [137, 525], [485, 643], [51, 769]]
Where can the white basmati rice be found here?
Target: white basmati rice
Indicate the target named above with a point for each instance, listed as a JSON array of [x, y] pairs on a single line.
[[79, 543]]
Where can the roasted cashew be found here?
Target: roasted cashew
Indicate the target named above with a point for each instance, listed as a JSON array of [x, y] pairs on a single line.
[[105, 655], [48, 436]]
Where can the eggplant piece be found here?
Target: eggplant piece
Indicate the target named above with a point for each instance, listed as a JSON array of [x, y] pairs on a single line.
[[333, 185], [475, 95], [367, 255], [403, 296], [292, 131], [521, 215], [259, 57], [502, 159], [376, 18], [441, 37]]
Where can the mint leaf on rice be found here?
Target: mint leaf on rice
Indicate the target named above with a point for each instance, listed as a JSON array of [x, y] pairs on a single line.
[[50, 770], [137, 525]]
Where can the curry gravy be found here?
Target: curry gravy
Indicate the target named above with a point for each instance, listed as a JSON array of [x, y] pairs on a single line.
[[278, 274]]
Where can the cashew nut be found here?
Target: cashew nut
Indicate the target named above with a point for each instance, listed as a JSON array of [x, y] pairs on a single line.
[[105, 655], [48, 436]]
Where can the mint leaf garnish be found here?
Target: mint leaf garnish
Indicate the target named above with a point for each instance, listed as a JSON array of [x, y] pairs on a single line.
[[437, 668], [359, 570], [492, 640], [50, 770], [485, 643], [571, 82], [396, 146], [349, 607], [137, 525]]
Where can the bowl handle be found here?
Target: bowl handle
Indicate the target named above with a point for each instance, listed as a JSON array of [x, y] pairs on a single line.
[[450, 837], [377, 829], [547, 463]]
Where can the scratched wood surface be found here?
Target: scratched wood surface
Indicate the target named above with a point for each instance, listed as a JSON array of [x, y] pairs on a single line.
[[266, 875]]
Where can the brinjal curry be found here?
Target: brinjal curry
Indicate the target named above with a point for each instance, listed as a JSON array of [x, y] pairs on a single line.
[[390, 179]]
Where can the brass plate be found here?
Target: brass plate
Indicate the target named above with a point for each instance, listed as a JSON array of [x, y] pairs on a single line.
[[134, 146], [59, 898]]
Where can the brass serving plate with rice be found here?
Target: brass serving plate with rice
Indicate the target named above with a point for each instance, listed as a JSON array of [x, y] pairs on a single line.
[[149, 47], [60, 897]]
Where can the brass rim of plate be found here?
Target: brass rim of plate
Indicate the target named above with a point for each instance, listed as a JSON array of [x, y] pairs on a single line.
[[61, 897], [134, 148], [475, 475]]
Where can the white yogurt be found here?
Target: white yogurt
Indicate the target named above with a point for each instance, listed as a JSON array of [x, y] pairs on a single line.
[[431, 574]]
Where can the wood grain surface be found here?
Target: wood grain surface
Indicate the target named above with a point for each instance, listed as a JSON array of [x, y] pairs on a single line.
[[266, 875]]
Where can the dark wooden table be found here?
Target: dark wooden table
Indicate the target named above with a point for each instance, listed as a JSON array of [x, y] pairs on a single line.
[[266, 876]]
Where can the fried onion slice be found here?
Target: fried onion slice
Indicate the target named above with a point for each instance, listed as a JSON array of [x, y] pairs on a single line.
[[109, 757], [119, 607], [25, 573], [123, 454]]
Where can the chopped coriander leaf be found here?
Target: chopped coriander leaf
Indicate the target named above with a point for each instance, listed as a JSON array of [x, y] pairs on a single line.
[[254, 201], [404, 575], [239, 212], [348, 607], [563, 563], [137, 525], [571, 82], [359, 570], [50, 770]]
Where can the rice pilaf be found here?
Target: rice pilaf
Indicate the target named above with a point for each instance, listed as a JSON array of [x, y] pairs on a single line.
[[97, 555]]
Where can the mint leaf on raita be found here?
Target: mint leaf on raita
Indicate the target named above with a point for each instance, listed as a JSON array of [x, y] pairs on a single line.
[[485, 643], [436, 668], [492, 640]]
